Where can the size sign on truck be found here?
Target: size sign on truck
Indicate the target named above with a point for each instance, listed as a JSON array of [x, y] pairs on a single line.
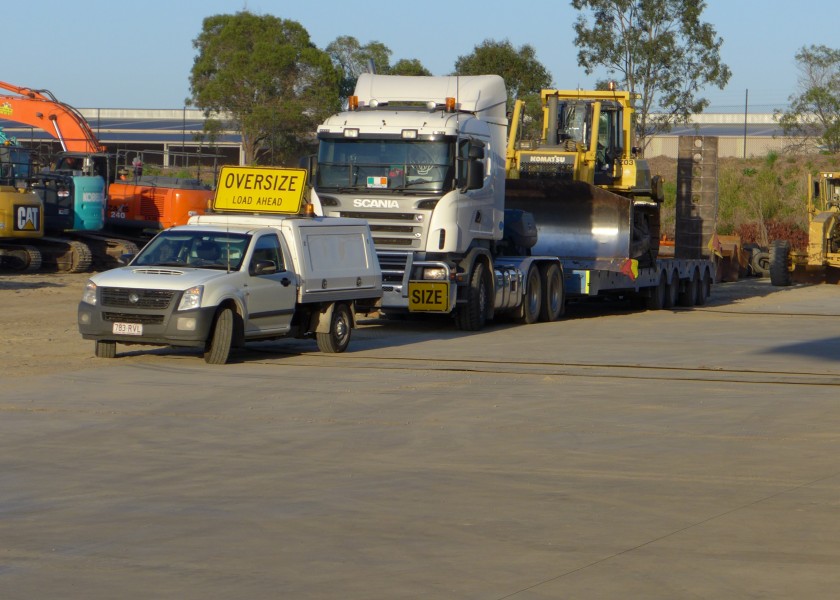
[[260, 190]]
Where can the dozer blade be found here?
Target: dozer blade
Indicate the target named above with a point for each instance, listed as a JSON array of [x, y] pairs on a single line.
[[575, 220]]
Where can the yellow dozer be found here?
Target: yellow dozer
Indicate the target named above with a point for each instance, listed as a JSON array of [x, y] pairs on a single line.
[[821, 261], [592, 198]]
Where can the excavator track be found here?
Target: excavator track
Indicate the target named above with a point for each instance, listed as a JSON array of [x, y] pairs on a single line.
[[20, 258], [107, 251], [64, 255]]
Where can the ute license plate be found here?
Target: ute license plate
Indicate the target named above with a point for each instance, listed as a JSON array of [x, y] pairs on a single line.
[[127, 329], [428, 296]]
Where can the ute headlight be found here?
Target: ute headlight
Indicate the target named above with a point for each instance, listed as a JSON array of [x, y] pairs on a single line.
[[89, 297], [438, 273], [191, 298]]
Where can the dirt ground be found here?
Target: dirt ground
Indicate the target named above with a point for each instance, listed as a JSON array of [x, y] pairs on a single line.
[[38, 323]]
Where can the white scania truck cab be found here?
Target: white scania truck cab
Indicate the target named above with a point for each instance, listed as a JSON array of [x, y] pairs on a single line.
[[422, 159]]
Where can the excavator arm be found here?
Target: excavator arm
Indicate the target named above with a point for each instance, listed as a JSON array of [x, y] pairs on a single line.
[[39, 108]]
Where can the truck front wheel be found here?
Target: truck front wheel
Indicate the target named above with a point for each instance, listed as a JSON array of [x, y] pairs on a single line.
[[218, 348], [473, 314], [338, 337]]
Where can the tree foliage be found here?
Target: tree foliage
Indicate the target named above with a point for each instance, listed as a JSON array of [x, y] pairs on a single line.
[[352, 59], [524, 75], [660, 50], [268, 76], [815, 112]]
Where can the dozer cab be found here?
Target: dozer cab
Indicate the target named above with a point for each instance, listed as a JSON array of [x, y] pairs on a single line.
[[595, 200], [821, 261]]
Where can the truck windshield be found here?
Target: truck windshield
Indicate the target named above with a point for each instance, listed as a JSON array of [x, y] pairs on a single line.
[[201, 249], [411, 165]]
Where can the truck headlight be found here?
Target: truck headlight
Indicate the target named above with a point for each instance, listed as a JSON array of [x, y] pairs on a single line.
[[89, 297], [191, 298], [434, 273]]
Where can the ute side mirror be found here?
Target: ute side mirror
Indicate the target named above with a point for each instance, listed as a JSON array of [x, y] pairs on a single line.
[[264, 267]]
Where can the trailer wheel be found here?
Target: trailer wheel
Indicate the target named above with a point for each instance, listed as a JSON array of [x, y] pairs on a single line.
[[673, 291], [338, 337], [554, 294], [658, 295], [218, 348], [105, 349], [473, 315], [704, 288], [780, 263], [529, 312], [688, 294]]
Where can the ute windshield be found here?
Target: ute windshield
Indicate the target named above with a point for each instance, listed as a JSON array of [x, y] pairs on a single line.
[[200, 249], [409, 165]]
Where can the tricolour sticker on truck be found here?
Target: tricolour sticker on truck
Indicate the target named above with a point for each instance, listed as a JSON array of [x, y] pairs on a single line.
[[260, 190]]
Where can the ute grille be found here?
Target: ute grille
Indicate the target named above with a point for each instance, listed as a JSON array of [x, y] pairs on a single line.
[[122, 297], [116, 317]]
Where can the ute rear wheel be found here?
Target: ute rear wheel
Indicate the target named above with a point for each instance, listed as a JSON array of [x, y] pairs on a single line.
[[554, 293], [473, 315], [105, 349], [338, 337], [529, 312], [780, 263], [218, 347]]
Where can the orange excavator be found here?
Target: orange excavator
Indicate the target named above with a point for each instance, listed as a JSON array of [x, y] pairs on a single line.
[[83, 194]]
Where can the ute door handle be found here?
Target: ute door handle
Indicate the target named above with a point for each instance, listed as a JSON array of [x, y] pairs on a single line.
[[285, 281]]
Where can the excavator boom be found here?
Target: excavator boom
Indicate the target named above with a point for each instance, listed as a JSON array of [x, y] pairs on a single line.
[[39, 108]]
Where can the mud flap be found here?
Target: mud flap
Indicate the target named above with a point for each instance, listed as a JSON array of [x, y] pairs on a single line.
[[321, 319]]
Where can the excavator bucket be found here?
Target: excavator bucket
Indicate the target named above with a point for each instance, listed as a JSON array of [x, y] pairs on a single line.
[[576, 221]]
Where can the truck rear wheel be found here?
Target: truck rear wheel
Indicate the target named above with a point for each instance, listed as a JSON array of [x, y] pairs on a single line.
[[105, 349], [554, 296], [529, 312], [218, 348], [780, 263], [473, 315], [338, 337]]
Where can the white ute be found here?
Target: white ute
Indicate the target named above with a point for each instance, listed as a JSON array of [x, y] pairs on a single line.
[[224, 279]]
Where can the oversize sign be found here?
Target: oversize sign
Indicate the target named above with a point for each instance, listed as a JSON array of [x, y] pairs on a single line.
[[260, 190]]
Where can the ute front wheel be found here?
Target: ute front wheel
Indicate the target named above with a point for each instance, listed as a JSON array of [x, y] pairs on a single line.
[[105, 349], [338, 337], [217, 351]]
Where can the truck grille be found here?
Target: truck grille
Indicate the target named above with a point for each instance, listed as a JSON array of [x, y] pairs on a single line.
[[393, 267], [122, 297], [398, 229], [115, 317]]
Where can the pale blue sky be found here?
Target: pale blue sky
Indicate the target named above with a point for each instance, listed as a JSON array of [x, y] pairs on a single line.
[[107, 54]]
